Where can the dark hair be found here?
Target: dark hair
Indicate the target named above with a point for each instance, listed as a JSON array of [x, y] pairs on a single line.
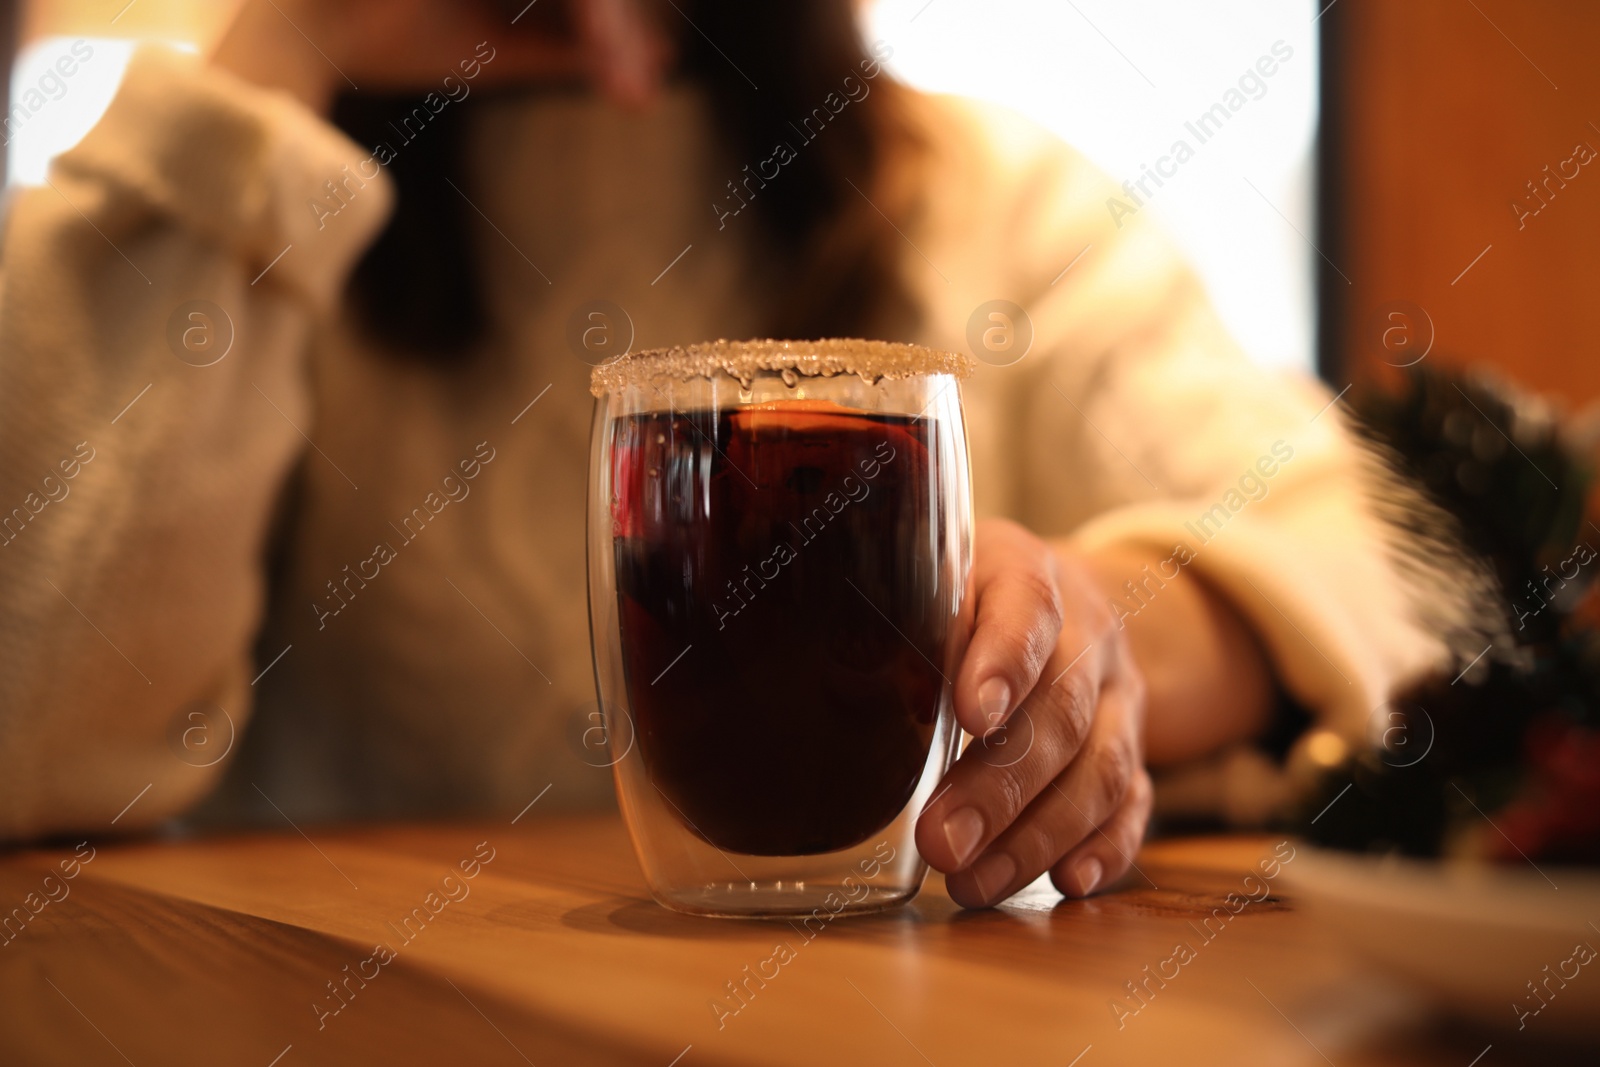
[[828, 256]]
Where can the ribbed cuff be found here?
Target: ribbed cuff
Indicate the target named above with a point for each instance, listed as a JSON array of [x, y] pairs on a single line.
[[1316, 648], [245, 167]]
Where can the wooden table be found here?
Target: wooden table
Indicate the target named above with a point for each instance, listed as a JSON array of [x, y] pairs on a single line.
[[223, 950]]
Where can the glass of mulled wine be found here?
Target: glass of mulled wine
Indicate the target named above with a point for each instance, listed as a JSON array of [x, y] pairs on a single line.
[[779, 544]]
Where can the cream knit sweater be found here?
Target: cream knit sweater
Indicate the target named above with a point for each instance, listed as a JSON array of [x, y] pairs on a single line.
[[148, 648]]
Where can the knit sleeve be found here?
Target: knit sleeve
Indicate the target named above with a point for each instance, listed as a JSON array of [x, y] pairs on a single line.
[[156, 296], [1135, 420]]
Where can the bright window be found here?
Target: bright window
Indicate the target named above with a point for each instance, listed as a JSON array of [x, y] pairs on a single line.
[[60, 86], [1119, 81]]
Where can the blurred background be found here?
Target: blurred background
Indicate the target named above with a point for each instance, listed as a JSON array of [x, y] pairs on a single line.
[[1358, 212]]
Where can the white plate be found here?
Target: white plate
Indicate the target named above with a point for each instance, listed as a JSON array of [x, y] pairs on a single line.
[[1473, 936]]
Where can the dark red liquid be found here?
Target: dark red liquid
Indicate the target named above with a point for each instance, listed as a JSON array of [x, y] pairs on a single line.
[[794, 551]]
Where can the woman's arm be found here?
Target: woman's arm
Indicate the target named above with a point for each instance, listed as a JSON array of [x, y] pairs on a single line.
[[1207, 680], [155, 300], [192, 223], [313, 49], [1130, 434]]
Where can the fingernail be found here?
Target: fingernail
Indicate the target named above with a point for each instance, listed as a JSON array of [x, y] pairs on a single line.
[[994, 700], [992, 874], [963, 829], [1087, 874]]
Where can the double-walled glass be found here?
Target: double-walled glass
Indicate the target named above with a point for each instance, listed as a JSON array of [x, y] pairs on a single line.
[[779, 546]]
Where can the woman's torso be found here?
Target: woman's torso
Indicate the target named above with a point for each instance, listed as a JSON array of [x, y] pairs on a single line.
[[434, 635]]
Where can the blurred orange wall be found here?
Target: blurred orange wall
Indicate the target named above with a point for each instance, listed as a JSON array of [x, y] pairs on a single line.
[[1443, 111]]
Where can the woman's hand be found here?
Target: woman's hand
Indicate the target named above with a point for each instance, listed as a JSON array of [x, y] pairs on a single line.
[[317, 48], [1054, 778]]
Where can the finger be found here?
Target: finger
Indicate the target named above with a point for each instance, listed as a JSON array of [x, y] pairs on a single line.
[[527, 59], [542, 45], [527, 53], [1018, 621], [1106, 855], [624, 47], [1000, 774], [1085, 795]]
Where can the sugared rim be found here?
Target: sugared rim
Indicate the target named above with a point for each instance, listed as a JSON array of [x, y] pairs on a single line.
[[869, 360]]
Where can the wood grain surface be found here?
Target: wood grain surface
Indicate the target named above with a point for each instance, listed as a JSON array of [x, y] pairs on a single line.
[[225, 950]]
